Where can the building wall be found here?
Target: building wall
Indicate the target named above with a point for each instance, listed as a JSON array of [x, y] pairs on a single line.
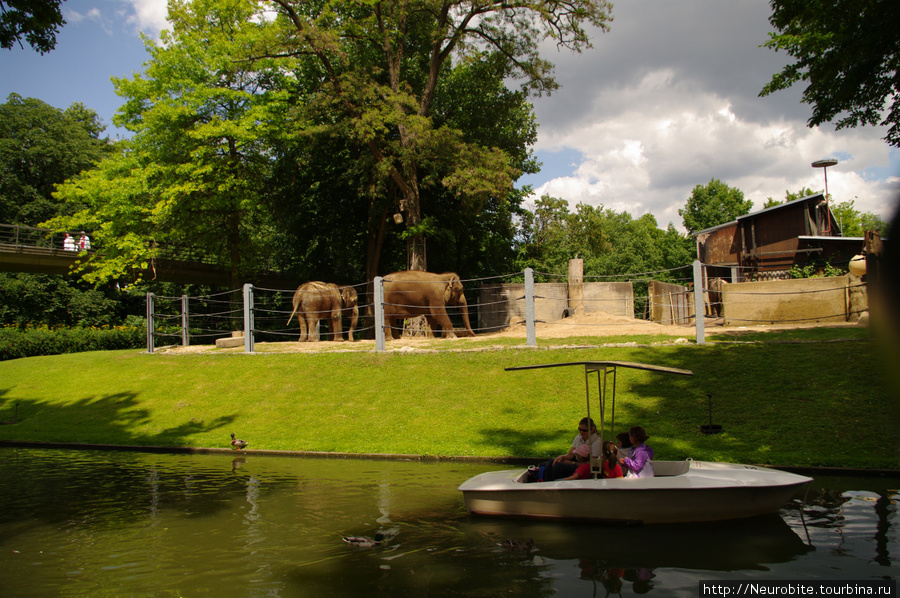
[[670, 303]]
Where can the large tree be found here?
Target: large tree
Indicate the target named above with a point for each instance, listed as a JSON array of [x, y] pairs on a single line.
[[194, 171], [380, 65], [37, 21], [848, 52], [713, 204], [40, 147]]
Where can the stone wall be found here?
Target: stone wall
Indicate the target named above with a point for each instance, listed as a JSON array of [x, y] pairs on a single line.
[[803, 300], [502, 305]]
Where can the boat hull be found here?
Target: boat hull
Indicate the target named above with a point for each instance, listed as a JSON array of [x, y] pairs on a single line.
[[693, 491]]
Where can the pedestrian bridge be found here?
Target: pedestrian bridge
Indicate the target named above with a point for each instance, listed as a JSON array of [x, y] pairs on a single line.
[[42, 251]]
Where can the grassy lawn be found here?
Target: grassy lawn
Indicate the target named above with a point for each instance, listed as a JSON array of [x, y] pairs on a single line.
[[808, 397]]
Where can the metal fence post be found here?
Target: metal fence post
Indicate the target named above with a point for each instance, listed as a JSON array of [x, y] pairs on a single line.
[[530, 336], [248, 318], [379, 314], [699, 308], [150, 324], [185, 340]]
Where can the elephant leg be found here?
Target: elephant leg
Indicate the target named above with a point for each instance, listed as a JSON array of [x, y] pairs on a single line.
[[312, 323], [301, 317], [439, 318], [336, 325]]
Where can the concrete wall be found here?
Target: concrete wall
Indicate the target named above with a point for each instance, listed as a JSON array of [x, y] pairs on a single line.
[[502, 305], [804, 300], [670, 303]]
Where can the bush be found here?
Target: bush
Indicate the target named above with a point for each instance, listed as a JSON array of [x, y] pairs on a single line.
[[32, 341]]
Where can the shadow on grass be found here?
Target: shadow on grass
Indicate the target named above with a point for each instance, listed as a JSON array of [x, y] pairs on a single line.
[[778, 404], [523, 444], [111, 419]]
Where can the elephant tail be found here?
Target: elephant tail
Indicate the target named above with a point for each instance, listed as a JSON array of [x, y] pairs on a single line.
[[292, 313]]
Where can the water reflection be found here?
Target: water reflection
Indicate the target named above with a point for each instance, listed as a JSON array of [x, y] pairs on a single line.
[[77, 523]]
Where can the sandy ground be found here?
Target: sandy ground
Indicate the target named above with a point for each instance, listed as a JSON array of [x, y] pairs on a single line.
[[596, 324]]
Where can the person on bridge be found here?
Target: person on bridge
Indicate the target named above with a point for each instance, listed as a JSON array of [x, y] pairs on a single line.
[[68, 243], [84, 243]]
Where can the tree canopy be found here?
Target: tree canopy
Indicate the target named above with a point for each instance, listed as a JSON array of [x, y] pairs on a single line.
[[848, 52], [37, 21], [379, 69], [713, 204], [40, 147]]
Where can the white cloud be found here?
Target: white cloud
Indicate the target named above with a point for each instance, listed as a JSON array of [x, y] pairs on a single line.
[[148, 16], [668, 99]]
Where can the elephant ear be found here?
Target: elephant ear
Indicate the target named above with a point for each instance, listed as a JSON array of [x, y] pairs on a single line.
[[349, 296], [453, 289]]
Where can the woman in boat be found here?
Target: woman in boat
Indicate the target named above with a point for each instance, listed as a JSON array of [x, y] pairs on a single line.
[[565, 465], [639, 464]]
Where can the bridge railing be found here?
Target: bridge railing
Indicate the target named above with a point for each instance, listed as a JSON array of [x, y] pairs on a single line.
[[27, 238]]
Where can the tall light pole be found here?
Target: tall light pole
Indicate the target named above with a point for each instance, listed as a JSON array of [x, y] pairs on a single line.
[[824, 164]]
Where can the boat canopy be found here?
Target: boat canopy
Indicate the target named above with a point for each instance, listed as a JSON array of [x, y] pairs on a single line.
[[597, 365], [604, 369]]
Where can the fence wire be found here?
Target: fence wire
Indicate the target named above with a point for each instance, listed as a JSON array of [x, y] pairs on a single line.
[[275, 317]]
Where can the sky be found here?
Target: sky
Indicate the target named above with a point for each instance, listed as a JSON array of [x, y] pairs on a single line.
[[666, 100]]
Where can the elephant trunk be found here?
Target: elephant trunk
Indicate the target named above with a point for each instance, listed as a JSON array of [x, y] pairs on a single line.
[[464, 310]]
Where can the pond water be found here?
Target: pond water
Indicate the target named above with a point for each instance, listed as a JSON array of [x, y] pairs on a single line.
[[92, 523]]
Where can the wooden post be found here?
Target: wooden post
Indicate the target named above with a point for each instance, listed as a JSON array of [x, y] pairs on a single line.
[[530, 333], [576, 287]]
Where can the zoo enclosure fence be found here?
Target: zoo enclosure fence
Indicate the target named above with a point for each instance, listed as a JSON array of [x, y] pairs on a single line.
[[262, 313]]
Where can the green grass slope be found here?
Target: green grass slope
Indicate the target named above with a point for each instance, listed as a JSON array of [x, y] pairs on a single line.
[[798, 404]]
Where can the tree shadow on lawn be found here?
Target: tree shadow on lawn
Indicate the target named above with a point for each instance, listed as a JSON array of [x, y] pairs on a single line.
[[524, 444], [111, 419]]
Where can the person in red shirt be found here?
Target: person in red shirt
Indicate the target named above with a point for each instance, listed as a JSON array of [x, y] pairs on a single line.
[[610, 466]]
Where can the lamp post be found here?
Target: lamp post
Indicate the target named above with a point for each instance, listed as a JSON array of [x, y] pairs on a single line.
[[824, 164]]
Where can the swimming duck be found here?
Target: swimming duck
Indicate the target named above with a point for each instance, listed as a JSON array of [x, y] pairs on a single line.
[[364, 541], [519, 545], [237, 442]]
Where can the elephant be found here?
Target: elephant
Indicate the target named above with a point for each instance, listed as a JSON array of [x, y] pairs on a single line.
[[316, 300], [414, 293], [716, 287]]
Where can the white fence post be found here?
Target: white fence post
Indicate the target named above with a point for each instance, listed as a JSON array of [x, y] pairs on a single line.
[[248, 318], [379, 313], [530, 336], [185, 334], [150, 323], [699, 308]]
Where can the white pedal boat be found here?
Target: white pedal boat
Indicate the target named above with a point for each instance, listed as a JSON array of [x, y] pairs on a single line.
[[681, 491]]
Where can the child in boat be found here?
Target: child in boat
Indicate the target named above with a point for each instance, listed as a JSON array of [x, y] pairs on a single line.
[[639, 464], [583, 456], [610, 466]]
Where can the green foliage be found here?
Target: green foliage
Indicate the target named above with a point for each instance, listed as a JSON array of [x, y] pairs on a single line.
[[32, 341], [848, 51], [713, 204], [38, 21], [40, 147], [788, 197], [854, 223], [196, 166], [816, 269], [54, 300]]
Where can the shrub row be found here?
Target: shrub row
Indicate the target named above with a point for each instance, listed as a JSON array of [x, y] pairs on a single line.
[[32, 341]]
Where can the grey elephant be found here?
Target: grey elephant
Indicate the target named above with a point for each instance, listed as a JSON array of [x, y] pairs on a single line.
[[413, 293], [317, 300]]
